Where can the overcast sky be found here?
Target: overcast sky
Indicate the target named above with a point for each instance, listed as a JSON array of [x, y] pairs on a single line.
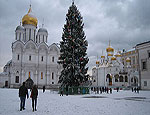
[[125, 22]]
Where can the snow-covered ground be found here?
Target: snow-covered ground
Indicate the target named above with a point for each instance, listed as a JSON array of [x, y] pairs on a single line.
[[50, 103]]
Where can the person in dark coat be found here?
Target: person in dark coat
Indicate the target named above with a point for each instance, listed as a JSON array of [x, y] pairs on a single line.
[[34, 94], [110, 90], [43, 89], [117, 89], [23, 91], [132, 89], [61, 91], [135, 89]]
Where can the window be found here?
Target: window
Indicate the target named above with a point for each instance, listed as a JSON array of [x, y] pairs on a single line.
[[145, 83], [29, 57], [42, 58], [19, 36], [144, 65], [41, 75], [18, 57], [126, 79], [121, 79], [16, 36], [131, 79], [52, 75], [29, 34], [43, 38], [36, 39], [39, 38], [25, 35], [29, 74], [52, 59], [34, 35], [17, 79]]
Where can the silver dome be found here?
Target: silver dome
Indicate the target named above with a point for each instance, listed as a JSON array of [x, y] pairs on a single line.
[[20, 27], [42, 30]]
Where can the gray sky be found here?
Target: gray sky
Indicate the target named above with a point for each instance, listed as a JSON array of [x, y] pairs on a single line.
[[124, 22]]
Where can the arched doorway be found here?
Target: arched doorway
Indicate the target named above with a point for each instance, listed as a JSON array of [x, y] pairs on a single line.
[[109, 79], [29, 83]]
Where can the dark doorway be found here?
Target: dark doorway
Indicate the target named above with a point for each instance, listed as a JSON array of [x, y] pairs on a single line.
[[110, 79], [6, 83]]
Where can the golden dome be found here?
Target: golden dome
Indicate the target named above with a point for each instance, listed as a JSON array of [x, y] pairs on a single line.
[[110, 49], [118, 55], [128, 60], [110, 54], [97, 62], [29, 18], [113, 58], [102, 56]]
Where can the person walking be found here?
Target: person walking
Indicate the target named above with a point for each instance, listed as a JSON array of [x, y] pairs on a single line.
[[43, 89], [34, 94], [61, 91], [23, 91], [110, 90]]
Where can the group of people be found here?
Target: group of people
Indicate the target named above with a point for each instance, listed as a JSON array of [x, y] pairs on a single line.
[[101, 89], [136, 89], [23, 93]]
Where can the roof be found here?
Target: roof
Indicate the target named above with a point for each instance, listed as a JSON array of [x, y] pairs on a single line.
[[143, 43], [20, 27], [42, 30]]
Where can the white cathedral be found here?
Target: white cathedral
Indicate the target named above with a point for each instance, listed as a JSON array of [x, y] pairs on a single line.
[[110, 71], [33, 61]]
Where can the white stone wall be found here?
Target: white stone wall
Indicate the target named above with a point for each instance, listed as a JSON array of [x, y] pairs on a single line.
[[143, 50]]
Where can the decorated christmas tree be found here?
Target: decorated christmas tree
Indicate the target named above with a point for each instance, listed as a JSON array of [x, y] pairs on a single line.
[[73, 46]]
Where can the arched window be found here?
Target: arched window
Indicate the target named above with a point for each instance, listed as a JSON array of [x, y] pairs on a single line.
[[52, 75], [41, 75], [126, 79], [53, 59], [17, 79], [121, 79], [116, 77], [18, 57], [29, 57], [29, 74], [29, 34], [42, 58]]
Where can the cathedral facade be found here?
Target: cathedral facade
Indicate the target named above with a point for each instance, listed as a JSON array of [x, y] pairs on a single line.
[[114, 70], [33, 61]]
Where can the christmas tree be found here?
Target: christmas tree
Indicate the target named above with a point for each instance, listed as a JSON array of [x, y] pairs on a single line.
[[73, 46]]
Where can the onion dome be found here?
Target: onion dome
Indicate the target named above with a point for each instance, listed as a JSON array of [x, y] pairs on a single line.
[[110, 54], [102, 56], [128, 60], [118, 54], [113, 58], [97, 62], [20, 28], [109, 49], [42, 30], [29, 18]]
